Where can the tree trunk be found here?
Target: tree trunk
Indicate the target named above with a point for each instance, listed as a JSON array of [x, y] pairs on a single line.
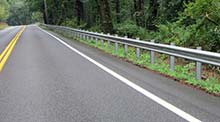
[[139, 12], [117, 7], [79, 11], [63, 12], [106, 16], [57, 7], [45, 12], [153, 14]]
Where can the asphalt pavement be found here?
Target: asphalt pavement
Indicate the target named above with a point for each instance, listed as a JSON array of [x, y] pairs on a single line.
[[45, 81]]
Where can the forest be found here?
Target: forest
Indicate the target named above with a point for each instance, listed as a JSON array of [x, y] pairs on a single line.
[[187, 23]]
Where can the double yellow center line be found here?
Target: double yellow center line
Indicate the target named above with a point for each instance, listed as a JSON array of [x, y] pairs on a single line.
[[7, 51]]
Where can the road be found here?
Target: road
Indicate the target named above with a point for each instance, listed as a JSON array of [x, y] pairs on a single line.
[[47, 81]]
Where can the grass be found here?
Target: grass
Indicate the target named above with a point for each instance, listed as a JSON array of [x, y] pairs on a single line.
[[3, 25], [184, 74]]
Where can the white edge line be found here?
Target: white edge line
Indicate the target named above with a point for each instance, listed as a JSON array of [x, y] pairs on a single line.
[[153, 97]]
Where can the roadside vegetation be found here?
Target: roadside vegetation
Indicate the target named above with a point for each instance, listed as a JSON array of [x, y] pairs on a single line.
[[3, 25], [3, 14], [183, 73]]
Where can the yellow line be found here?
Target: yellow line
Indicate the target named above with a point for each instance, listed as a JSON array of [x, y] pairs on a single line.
[[7, 51], [8, 46]]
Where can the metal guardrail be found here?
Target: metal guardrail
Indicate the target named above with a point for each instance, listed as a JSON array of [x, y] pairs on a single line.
[[173, 51]]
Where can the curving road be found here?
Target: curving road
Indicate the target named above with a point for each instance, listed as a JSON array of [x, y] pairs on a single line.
[[46, 81]]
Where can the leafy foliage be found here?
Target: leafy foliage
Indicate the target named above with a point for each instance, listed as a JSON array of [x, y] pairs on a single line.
[[130, 29], [37, 17], [18, 13], [3, 25], [197, 25], [3, 10]]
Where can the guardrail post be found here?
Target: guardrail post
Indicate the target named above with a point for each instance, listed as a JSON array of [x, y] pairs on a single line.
[[109, 43], [125, 48], [92, 38], [116, 44], [80, 36], [198, 67], [67, 33], [102, 41], [70, 34], [74, 35], [137, 50], [96, 42], [172, 60], [152, 54], [84, 36], [87, 37]]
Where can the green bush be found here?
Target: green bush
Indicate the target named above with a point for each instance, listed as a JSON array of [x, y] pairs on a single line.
[[73, 23], [130, 29], [198, 25], [96, 28], [3, 25], [172, 32]]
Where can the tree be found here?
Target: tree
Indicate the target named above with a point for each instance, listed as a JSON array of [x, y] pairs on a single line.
[[168, 9], [19, 13], [80, 11], [45, 12], [107, 25], [3, 10], [152, 15], [139, 12], [117, 8]]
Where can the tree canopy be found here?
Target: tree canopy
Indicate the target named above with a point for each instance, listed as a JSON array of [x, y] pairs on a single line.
[[188, 23], [3, 10]]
